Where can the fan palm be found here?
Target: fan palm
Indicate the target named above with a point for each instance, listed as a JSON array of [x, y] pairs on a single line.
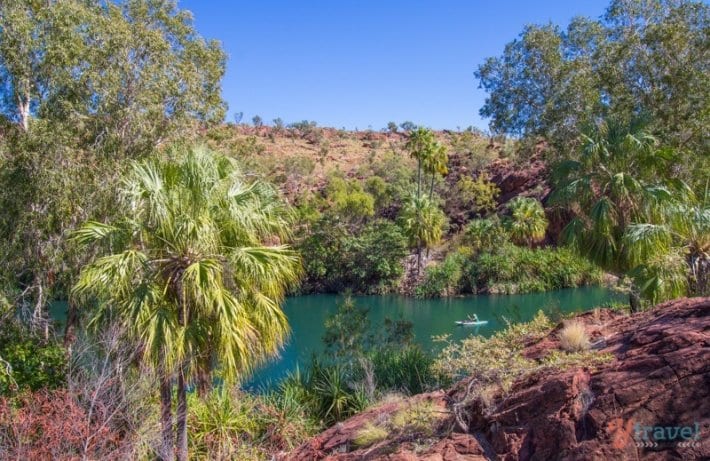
[[188, 272], [614, 183], [672, 255], [423, 223], [528, 223], [420, 146]]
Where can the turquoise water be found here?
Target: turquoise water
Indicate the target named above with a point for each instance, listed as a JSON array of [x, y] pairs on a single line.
[[430, 317]]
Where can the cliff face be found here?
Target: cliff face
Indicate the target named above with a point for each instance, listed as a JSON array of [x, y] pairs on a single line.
[[652, 401]]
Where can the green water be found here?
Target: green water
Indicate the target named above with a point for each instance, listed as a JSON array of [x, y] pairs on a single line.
[[430, 317]]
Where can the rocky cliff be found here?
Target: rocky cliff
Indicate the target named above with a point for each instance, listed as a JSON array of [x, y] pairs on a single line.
[[651, 401]]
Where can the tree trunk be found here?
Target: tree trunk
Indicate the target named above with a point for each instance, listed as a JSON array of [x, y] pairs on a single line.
[[166, 417], [419, 178], [23, 109], [431, 187], [182, 417], [70, 327], [181, 387]]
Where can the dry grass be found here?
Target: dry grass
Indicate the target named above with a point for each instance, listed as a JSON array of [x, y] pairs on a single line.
[[573, 337], [370, 434], [418, 417]]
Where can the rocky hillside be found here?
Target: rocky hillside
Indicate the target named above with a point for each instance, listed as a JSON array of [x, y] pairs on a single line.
[[651, 401]]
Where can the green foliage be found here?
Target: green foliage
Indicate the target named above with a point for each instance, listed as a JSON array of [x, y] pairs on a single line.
[[527, 224], [478, 195], [187, 273], [230, 424], [73, 65], [347, 332], [514, 269], [443, 279], [423, 222], [349, 200], [27, 361], [550, 81], [403, 369], [486, 234], [495, 363], [336, 258]]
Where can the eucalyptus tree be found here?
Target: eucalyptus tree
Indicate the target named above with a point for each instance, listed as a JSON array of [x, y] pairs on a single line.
[[194, 272], [85, 84], [640, 57]]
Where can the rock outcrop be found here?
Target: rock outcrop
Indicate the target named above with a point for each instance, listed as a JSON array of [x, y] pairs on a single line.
[[650, 402]]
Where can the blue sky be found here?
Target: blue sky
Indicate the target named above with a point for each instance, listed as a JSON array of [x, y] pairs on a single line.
[[360, 64]]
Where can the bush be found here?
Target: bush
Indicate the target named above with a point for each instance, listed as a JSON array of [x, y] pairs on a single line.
[[408, 370], [478, 195], [335, 258], [443, 279], [523, 270], [485, 234], [527, 224], [573, 337], [53, 425], [27, 361]]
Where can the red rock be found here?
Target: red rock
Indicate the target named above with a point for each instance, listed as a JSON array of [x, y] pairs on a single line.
[[660, 376]]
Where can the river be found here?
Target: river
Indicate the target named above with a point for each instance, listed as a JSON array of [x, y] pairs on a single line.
[[430, 317]]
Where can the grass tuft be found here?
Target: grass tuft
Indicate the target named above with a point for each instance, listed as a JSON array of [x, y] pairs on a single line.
[[573, 337]]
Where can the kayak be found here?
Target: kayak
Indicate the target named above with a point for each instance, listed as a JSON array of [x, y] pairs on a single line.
[[471, 322]]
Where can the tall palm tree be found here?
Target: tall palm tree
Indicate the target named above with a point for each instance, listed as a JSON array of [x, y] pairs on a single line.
[[421, 145], [193, 273], [527, 224], [436, 162]]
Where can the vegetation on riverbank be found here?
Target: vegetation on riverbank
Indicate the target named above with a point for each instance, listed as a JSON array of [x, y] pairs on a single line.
[[175, 236]]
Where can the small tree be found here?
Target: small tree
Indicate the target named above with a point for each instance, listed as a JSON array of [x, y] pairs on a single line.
[[256, 120]]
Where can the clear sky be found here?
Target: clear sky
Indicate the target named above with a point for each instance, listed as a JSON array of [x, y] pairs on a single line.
[[360, 64]]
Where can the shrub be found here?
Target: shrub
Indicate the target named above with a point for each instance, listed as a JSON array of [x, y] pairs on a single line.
[[336, 258], [53, 425], [415, 418], [28, 362], [443, 279], [485, 234], [408, 370], [573, 337], [478, 195], [522, 270], [370, 434], [349, 200]]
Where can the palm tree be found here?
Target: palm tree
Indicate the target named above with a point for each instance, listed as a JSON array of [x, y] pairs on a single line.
[[190, 275], [423, 223], [620, 180], [436, 162], [421, 145], [672, 256], [528, 223]]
